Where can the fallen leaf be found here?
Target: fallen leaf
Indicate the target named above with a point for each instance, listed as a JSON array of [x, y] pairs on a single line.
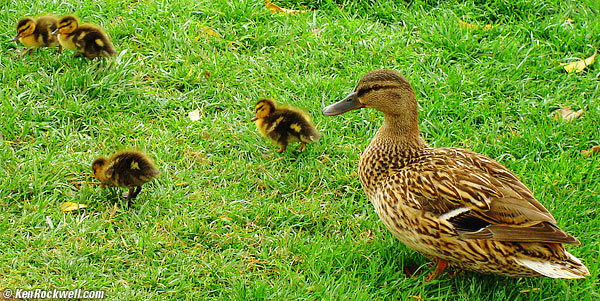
[[529, 290], [194, 115], [70, 206], [566, 114], [579, 65], [473, 26], [119, 19], [593, 150], [206, 32], [277, 9], [316, 31]]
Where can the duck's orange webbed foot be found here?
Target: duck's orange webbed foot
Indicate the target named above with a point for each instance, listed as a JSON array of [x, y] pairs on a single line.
[[441, 267]]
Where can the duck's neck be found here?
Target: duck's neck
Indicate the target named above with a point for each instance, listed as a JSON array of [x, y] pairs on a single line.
[[396, 143], [401, 132]]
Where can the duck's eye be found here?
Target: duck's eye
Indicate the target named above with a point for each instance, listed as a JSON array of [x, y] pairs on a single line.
[[376, 87]]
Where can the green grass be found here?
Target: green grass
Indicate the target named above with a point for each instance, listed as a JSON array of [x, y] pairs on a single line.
[[229, 217]]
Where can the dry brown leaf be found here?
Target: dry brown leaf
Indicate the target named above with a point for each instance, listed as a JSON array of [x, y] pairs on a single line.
[[579, 65], [277, 9], [206, 32], [593, 150], [70, 206], [473, 26], [194, 115], [316, 31], [566, 114]]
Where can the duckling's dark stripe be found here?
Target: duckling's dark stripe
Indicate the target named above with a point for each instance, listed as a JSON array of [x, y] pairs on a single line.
[[258, 107], [22, 30], [364, 91]]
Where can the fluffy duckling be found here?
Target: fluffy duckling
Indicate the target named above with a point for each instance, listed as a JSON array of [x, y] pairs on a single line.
[[37, 32], [86, 39], [125, 169], [284, 124]]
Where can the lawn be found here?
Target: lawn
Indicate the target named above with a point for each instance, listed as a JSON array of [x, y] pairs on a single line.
[[231, 218]]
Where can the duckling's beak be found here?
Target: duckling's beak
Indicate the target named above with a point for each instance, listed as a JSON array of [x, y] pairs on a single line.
[[254, 119], [15, 38], [55, 32], [349, 103]]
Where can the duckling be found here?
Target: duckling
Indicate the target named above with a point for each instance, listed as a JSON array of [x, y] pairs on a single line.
[[86, 39], [37, 32], [457, 207], [284, 124], [127, 168]]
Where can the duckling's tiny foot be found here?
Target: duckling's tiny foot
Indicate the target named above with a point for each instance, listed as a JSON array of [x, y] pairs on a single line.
[[136, 192], [24, 53], [129, 195], [302, 147], [281, 149]]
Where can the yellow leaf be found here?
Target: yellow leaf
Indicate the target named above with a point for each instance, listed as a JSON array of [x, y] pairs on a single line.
[[194, 115], [206, 32], [473, 26], [277, 9], [593, 150], [70, 206], [579, 65], [566, 114], [529, 290]]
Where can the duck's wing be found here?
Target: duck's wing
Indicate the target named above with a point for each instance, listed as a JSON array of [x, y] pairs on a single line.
[[477, 195]]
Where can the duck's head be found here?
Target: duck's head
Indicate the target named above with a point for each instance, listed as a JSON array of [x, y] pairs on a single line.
[[383, 90], [66, 25], [97, 167], [25, 27], [263, 108]]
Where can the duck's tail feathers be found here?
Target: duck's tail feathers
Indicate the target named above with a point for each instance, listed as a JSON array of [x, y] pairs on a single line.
[[570, 268]]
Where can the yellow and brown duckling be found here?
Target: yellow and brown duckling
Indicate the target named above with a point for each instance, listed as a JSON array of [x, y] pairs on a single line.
[[125, 169], [85, 39], [454, 206], [37, 32], [284, 124]]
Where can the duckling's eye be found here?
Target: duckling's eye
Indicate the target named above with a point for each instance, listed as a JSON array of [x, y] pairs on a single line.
[[376, 87]]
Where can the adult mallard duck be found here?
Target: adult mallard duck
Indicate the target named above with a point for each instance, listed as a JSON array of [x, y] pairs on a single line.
[[454, 206]]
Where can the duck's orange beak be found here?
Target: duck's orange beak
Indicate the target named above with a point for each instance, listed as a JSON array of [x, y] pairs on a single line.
[[349, 103]]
